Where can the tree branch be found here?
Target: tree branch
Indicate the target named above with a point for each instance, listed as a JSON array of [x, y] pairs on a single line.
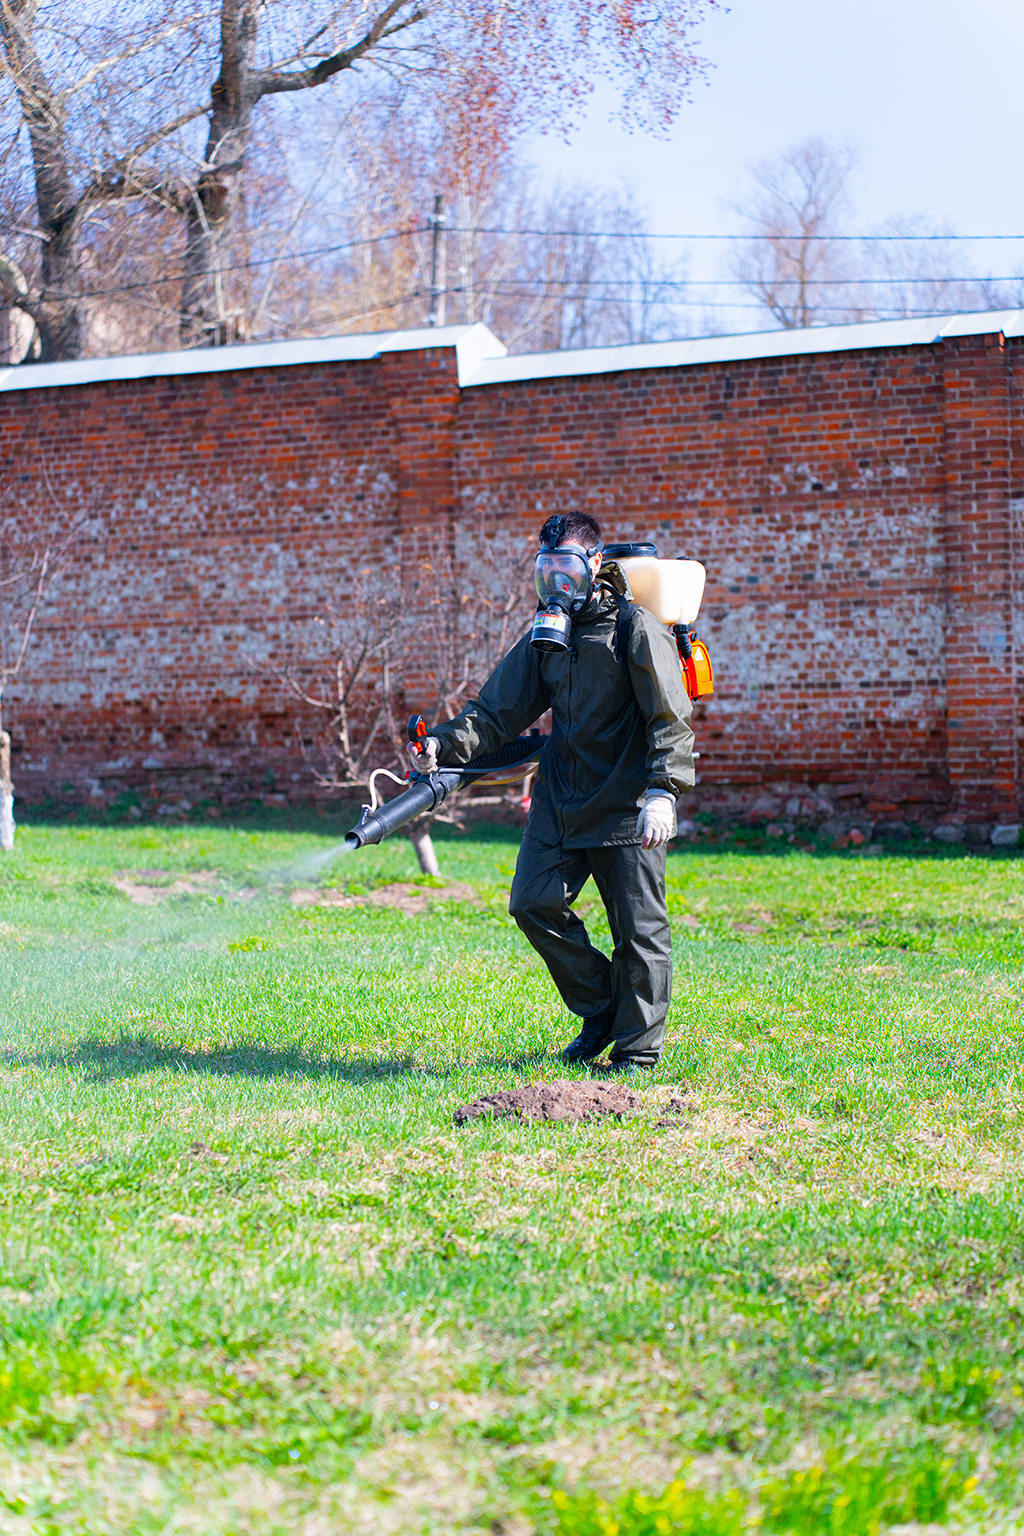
[[271, 82], [129, 53], [50, 564], [120, 179], [10, 673]]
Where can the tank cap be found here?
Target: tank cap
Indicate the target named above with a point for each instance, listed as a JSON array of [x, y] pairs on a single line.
[[629, 551]]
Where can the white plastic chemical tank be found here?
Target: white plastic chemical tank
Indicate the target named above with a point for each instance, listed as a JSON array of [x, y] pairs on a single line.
[[670, 589]]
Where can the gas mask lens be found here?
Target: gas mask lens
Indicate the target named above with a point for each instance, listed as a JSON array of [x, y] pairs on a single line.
[[564, 583], [562, 576]]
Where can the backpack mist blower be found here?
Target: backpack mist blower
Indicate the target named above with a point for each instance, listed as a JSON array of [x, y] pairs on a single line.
[[429, 790], [672, 590]]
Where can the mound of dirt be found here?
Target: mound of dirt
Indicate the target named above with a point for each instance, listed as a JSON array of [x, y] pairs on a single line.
[[562, 1100], [146, 886], [403, 896]]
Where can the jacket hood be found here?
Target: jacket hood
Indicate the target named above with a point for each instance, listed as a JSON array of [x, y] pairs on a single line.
[[612, 582], [612, 575]]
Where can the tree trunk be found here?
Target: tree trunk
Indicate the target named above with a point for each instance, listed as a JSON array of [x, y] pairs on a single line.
[[61, 320], [7, 795], [206, 319], [419, 836], [58, 312]]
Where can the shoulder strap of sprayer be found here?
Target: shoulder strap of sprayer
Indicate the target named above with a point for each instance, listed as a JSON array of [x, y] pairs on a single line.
[[623, 620]]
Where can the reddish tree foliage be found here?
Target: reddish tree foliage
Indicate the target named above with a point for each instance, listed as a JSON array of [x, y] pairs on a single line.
[[113, 105]]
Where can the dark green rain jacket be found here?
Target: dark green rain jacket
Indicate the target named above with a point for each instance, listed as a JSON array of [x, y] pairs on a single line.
[[618, 727]]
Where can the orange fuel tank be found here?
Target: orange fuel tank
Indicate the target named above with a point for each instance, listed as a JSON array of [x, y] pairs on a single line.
[[698, 673]]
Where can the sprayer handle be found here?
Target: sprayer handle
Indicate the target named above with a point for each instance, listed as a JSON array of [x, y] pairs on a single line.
[[417, 732]]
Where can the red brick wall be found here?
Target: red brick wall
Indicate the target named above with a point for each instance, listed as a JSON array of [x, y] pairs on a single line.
[[982, 749], [223, 509], [855, 512]]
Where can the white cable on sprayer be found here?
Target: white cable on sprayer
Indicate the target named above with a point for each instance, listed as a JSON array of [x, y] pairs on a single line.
[[375, 799]]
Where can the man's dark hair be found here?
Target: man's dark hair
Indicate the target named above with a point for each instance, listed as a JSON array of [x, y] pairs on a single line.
[[571, 528]]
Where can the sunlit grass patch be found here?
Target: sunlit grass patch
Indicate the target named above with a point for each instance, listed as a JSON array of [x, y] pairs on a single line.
[[859, 1496], [688, 1511], [252, 1277]]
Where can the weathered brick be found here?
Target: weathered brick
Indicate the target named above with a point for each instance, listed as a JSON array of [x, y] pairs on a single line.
[[859, 514]]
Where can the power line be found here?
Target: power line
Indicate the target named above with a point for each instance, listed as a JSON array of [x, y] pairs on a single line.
[[246, 266], [714, 282], [917, 314], [633, 234], [400, 234], [542, 283]]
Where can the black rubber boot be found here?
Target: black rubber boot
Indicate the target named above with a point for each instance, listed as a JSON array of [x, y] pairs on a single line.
[[591, 1040], [626, 1067]]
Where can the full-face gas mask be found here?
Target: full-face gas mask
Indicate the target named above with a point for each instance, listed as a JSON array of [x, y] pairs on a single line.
[[564, 583]]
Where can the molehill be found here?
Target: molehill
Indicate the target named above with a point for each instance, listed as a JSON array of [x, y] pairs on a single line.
[[561, 1100]]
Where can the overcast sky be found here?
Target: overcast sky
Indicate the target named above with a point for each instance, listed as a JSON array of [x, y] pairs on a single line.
[[926, 89]]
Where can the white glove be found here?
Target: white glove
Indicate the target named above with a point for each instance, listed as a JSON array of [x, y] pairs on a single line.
[[657, 821], [424, 754]]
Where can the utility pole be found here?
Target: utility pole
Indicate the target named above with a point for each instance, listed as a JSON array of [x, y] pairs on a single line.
[[438, 284]]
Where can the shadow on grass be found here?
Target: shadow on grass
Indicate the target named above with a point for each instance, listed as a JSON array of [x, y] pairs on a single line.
[[105, 1061], [716, 837]]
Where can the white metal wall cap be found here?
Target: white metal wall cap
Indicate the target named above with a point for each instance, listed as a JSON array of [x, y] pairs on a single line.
[[756, 344], [472, 343], [482, 359]]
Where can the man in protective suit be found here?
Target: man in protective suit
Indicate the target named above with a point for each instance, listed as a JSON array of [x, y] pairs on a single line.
[[620, 752]]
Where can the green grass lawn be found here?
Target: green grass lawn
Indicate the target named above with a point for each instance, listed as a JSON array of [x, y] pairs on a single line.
[[253, 1279]]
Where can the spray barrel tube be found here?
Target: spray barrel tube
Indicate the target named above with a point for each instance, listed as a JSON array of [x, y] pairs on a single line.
[[428, 791], [424, 795]]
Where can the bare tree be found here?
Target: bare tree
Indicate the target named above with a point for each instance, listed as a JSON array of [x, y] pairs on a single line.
[[587, 276], [792, 264], [111, 103], [350, 669], [248, 75], [914, 267], [422, 641], [540, 267], [90, 91], [475, 599], [27, 573], [349, 666], [806, 267]]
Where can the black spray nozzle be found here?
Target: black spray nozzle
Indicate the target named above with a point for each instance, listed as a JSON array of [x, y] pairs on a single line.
[[427, 791], [425, 794]]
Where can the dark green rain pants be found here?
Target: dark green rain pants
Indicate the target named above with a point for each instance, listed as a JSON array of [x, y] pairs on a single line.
[[633, 989]]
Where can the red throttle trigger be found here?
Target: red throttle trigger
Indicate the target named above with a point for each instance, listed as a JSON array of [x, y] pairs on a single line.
[[417, 731]]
